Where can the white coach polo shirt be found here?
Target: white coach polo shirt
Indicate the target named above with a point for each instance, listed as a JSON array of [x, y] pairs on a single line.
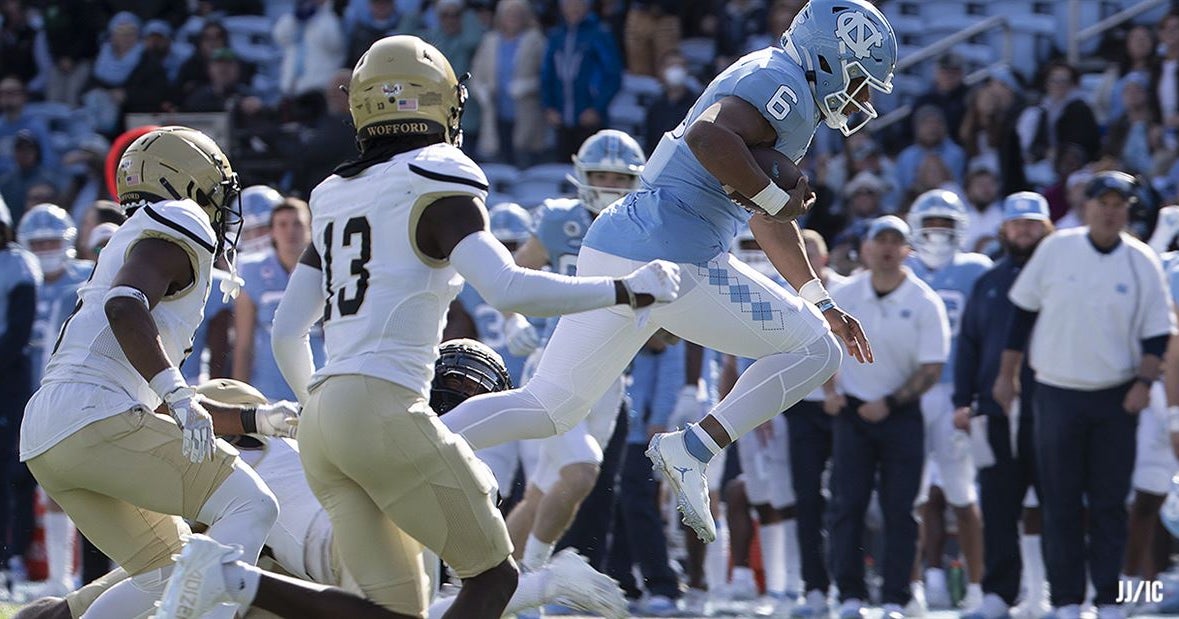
[[907, 328], [1095, 309]]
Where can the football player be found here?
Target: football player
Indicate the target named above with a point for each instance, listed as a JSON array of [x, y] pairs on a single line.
[[258, 203], [395, 232], [835, 53], [125, 475], [301, 542], [49, 232], [606, 168], [938, 220]]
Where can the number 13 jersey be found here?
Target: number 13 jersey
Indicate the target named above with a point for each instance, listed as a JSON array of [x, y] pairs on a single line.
[[386, 300]]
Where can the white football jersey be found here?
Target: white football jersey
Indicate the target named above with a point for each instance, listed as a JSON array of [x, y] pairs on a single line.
[[86, 350], [387, 301], [301, 539]]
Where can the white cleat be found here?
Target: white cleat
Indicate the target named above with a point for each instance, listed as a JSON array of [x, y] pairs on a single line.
[[685, 473], [197, 584], [573, 581]]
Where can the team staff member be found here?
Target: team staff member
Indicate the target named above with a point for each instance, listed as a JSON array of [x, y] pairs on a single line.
[[1105, 322], [981, 341], [879, 427]]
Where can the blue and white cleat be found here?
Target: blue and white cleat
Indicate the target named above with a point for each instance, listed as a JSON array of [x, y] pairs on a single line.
[[685, 473]]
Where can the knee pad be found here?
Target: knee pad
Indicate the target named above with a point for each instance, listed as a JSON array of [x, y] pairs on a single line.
[[564, 407], [246, 499]]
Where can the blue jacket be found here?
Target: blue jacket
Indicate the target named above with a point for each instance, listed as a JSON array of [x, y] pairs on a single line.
[[656, 380], [983, 337], [581, 69]]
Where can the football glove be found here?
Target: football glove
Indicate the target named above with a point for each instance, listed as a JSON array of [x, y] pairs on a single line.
[[279, 419], [521, 336], [657, 281], [195, 423]]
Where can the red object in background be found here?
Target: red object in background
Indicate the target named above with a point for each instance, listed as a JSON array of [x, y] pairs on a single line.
[[36, 562], [116, 153]]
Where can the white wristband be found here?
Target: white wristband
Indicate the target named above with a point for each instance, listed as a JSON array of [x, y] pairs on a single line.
[[813, 291], [1173, 418], [167, 381], [771, 198], [129, 292]]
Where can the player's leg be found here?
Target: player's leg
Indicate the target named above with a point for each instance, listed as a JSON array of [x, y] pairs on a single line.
[[726, 305], [587, 352], [902, 454], [1153, 467], [1110, 446]]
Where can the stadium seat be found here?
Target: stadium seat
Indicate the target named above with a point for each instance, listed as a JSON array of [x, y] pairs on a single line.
[[699, 51], [501, 176]]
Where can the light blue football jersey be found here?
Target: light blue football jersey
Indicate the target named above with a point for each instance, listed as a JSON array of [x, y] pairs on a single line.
[[681, 213], [265, 282], [18, 266], [561, 225], [55, 302], [953, 284], [1171, 266], [489, 322], [193, 366]]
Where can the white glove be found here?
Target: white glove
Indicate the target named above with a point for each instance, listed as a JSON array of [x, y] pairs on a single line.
[[687, 407], [1166, 229], [194, 422], [279, 419], [658, 278], [521, 336]]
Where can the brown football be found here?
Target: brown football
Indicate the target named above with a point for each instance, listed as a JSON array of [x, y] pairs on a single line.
[[777, 166]]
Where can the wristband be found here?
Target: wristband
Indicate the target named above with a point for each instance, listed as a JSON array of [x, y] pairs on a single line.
[[771, 198], [250, 420], [167, 381], [127, 292], [825, 305], [813, 291], [630, 294]]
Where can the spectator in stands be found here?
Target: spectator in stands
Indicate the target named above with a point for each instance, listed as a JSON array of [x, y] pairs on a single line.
[[984, 212], [949, 93], [15, 119], [225, 91], [329, 142], [1138, 55], [931, 140], [736, 22], [1062, 117], [372, 20], [988, 129], [652, 31], [29, 170], [862, 152], [157, 43], [1135, 135], [1070, 158], [778, 18], [16, 42], [457, 36], [1165, 75], [1100, 282], [1074, 199], [670, 109], [71, 36], [505, 79], [121, 53], [125, 78], [580, 75], [313, 47], [863, 199], [195, 71], [101, 212], [83, 181]]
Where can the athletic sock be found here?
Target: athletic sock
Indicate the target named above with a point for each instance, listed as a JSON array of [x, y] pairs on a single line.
[[59, 545], [773, 555], [241, 582], [793, 559], [536, 553], [716, 561], [699, 443]]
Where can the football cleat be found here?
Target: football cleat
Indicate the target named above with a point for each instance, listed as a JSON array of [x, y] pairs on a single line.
[[572, 580], [685, 473], [197, 584]]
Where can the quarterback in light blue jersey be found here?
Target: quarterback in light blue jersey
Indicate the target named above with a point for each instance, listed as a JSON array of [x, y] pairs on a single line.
[[835, 53], [266, 275], [938, 220], [49, 232]]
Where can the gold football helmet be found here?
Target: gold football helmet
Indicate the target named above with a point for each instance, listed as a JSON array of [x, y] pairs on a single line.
[[405, 86], [230, 391], [175, 163]]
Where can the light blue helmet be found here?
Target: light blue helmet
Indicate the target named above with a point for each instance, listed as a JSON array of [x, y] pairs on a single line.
[[1169, 512], [48, 222], [257, 203], [837, 41], [937, 246], [510, 222], [608, 150]]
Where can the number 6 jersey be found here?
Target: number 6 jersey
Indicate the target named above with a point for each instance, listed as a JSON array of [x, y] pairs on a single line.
[[386, 300]]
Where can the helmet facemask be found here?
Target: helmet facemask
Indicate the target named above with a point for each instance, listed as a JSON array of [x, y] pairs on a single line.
[[835, 104], [597, 197]]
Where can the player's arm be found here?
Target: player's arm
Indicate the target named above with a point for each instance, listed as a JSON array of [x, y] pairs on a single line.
[[720, 139], [301, 305], [454, 228], [522, 338], [532, 254], [244, 315], [458, 323]]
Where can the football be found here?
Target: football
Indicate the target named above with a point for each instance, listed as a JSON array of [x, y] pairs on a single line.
[[778, 167]]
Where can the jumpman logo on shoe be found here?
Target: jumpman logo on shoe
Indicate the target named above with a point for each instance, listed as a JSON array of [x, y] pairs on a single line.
[[683, 471]]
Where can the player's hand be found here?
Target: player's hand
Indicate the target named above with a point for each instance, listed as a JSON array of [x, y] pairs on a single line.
[[279, 419], [1004, 393], [962, 416], [195, 423], [657, 281], [800, 202], [520, 335], [849, 330], [1137, 398], [834, 403], [874, 411]]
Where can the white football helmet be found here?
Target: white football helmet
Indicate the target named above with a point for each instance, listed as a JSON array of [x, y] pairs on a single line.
[[608, 150], [937, 246]]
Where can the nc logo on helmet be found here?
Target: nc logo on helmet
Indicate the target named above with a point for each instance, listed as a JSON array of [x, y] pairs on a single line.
[[857, 33]]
